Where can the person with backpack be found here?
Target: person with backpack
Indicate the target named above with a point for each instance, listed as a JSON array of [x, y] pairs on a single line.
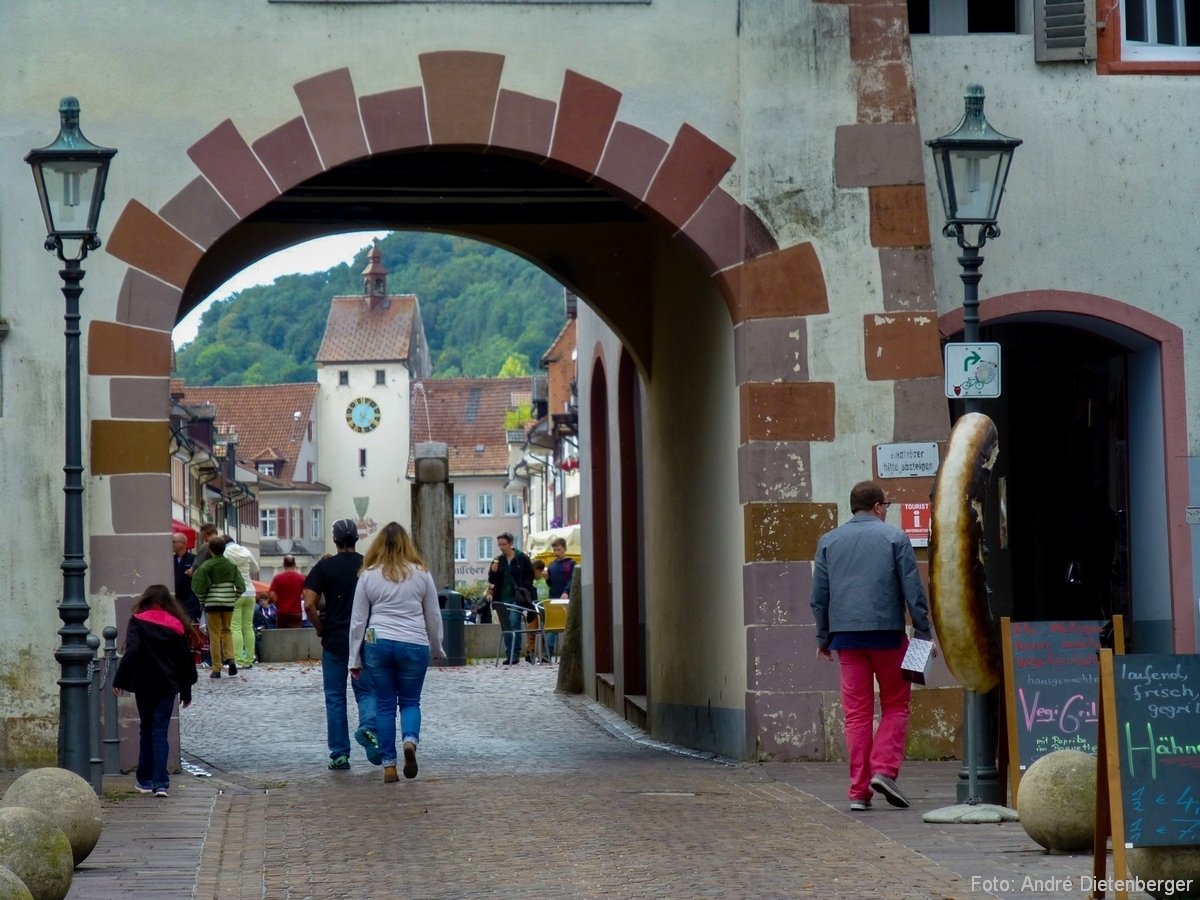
[[156, 667]]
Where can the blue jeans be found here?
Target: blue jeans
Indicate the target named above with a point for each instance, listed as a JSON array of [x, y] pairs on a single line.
[[155, 716], [335, 669], [398, 671], [515, 622]]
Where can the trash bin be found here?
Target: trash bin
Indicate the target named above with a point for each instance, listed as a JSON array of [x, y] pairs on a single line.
[[453, 621]]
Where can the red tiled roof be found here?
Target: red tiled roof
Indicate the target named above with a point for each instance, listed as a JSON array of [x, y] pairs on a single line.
[[357, 331], [271, 420], [467, 414]]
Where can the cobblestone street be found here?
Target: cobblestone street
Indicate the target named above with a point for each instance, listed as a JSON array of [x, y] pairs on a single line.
[[522, 792]]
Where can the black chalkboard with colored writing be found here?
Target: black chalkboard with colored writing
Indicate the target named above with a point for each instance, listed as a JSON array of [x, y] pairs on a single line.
[[1051, 689], [1157, 726]]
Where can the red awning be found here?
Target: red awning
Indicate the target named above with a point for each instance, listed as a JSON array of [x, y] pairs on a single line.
[[187, 530]]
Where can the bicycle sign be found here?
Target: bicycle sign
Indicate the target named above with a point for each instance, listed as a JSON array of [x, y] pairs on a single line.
[[972, 370]]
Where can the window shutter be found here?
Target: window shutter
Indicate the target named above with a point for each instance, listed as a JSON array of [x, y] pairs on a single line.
[[281, 523], [1064, 30]]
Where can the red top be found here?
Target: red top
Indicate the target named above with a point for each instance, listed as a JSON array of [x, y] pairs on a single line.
[[287, 587]]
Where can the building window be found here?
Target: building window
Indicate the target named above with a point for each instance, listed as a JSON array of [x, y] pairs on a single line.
[[460, 506], [512, 504], [460, 549], [1161, 29], [343, 377], [485, 548], [266, 469], [381, 376], [485, 505], [315, 521], [268, 523], [297, 524], [962, 17]]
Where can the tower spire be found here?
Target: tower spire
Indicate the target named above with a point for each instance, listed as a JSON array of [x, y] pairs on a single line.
[[375, 275]]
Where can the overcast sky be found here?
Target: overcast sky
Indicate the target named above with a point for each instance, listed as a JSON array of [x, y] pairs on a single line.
[[311, 256]]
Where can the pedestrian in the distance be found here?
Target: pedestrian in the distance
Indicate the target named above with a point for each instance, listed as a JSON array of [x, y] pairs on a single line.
[[218, 584], [395, 628], [157, 665], [241, 623], [328, 601], [558, 573], [184, 561], [287, 590], [864, 577], [510, 574]]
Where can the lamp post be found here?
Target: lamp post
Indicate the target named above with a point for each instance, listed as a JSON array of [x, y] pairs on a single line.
[[70, 175], [972, 163]]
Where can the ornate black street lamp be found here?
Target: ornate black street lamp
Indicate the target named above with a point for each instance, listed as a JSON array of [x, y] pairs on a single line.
[[972, 164], [70, 176]]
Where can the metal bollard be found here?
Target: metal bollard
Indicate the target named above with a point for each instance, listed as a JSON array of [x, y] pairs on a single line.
[[96, 676], [453, 621], [112, 725]]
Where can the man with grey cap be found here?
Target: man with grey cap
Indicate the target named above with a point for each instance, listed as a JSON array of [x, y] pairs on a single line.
[[335, 578]]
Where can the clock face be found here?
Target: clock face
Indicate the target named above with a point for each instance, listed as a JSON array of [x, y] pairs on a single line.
[[362, 414]]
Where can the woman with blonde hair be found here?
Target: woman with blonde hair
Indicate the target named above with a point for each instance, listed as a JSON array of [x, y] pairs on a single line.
[[395, 628]]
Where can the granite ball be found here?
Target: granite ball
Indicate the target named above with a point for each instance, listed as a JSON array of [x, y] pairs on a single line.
[[1057, 801], [12, 887], [65, 799], [36, 851], [1175, 864]]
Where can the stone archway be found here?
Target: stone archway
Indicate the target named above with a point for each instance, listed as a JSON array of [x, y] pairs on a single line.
[[460, 103], [674, 181]]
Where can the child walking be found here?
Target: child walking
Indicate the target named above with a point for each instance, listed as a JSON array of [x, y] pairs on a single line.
[[156, 665]]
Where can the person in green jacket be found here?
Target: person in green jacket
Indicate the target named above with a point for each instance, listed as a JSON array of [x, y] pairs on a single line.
[[218, 583]]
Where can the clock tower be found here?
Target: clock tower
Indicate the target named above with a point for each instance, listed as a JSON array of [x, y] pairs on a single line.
[[372, 351]]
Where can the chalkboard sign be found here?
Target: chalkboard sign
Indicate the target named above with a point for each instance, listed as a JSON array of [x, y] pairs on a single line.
[[1051, 682], [1157, 729]]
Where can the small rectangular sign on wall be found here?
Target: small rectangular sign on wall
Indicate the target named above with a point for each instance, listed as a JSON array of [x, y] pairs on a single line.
[[914, 522], [906, 460]]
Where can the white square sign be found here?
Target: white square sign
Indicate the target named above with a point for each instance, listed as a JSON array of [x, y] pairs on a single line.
[[972, 370]]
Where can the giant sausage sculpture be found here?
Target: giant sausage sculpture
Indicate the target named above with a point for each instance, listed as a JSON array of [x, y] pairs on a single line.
[[958, 596]]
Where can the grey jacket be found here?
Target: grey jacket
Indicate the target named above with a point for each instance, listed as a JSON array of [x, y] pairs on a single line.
[[864, 576]]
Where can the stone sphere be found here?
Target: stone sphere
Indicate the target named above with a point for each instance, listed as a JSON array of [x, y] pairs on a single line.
[[1178, 864], [12, 887], [66, 800], [1057, 800], [36, 851]]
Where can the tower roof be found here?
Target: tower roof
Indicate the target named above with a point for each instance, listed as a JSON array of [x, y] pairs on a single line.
[[360, 330]]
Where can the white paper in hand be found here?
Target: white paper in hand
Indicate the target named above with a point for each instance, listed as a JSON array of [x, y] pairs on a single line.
[[917, 660]]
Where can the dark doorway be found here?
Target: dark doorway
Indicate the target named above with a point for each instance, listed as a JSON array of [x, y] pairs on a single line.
[[1058, 532], [602, 612]]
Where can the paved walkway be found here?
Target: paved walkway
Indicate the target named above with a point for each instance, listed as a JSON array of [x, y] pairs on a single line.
[[522, 793]]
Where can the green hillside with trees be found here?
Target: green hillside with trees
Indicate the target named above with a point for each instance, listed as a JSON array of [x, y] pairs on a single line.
[[486, 313]]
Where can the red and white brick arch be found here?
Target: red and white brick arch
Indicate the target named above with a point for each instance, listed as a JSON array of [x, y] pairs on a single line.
[[673, 179]]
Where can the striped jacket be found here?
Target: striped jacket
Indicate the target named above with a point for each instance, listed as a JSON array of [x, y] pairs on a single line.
[[218, 583]]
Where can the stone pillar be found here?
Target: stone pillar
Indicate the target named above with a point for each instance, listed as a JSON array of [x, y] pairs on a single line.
[[433, 511]]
